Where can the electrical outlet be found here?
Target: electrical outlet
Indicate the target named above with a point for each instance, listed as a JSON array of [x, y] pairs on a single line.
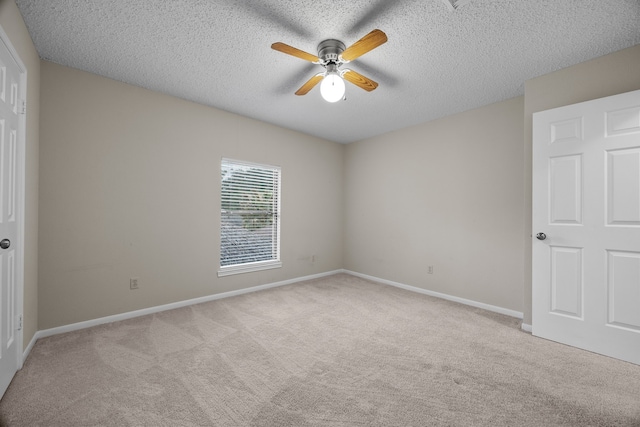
[[133, 283], [430, 269]]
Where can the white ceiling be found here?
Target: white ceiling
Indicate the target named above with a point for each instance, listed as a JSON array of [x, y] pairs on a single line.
[[437, 62]]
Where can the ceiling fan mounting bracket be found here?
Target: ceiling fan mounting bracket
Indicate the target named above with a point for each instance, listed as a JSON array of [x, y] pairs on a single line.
[[329, 51]]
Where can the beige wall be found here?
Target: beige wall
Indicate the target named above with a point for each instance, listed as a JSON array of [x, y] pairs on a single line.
[[13, 25], [446, 187], [129, 187], [447, 193], [608, 75]]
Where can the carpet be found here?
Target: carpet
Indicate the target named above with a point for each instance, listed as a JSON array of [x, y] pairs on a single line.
[[335, 351]]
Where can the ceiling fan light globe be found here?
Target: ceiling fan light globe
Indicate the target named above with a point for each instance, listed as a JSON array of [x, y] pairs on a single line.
[[332, 88]]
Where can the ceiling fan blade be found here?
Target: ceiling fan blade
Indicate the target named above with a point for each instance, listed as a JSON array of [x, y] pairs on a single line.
[[359, 80], [369, 42], [310, 84], [290, 50]]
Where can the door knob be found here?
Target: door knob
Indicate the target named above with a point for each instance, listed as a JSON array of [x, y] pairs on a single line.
[[539, 236], [5, 243]]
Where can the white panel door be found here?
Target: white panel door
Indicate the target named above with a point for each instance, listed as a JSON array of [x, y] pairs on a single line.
[[586, 202], [10, 95]]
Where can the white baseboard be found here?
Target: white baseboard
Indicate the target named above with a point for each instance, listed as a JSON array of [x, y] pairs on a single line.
[[527, 328], [464, 301], [27, 350], [151, 310]]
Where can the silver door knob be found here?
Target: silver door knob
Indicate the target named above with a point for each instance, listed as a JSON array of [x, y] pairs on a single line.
[[5, 243], [541, 236]]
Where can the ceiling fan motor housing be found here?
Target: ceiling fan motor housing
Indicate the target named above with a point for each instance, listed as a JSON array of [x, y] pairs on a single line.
[[330, 50]]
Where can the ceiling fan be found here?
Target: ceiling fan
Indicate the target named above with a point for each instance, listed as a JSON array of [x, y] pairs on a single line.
[[331, 55]]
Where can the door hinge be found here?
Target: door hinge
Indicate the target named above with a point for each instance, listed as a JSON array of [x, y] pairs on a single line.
[[23, 107], [19, 322]]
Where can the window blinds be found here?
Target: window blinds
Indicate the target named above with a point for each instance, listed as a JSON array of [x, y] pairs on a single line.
[[250, 214]]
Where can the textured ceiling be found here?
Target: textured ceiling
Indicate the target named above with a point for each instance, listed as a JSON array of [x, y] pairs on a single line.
[[438, 61]]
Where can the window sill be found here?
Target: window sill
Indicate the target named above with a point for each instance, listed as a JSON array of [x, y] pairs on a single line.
[[248, 268]]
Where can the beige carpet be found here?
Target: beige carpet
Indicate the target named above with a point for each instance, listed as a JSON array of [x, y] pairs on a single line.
[[337, 351]]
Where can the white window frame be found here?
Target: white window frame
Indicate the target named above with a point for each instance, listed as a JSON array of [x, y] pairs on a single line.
[[247, 267]]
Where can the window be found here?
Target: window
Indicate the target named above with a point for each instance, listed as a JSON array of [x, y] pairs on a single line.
[[250, 217]]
